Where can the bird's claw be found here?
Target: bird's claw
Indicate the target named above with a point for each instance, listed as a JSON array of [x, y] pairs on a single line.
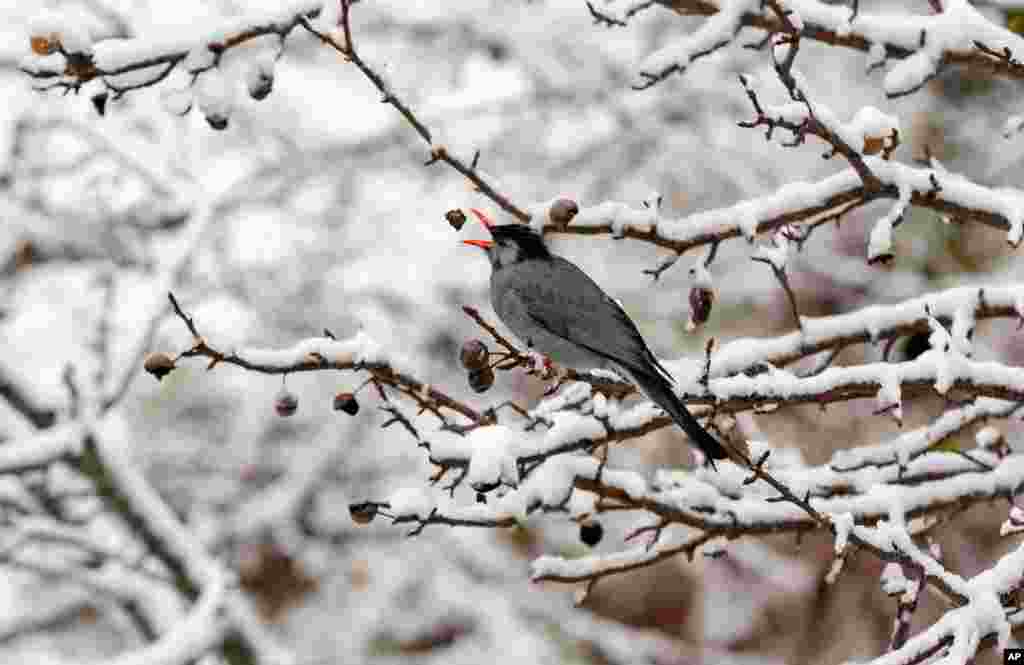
[[551, 389], [539, 364]]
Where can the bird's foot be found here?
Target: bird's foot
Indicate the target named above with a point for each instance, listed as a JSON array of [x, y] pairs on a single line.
[[552, 388], [539, 364]]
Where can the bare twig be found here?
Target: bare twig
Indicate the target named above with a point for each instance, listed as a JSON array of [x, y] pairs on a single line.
[[513, 357], [382, 372], [389, 96]]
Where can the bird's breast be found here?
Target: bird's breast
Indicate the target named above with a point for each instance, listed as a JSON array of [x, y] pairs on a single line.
[[518, 318]]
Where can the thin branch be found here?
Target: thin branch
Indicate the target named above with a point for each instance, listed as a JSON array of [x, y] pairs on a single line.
[[322, 354], [389, 96], [780, 275], [18, 398], [513, 357], [896, 45]]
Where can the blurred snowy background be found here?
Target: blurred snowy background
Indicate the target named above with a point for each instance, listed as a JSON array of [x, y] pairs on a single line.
[[327, 218]]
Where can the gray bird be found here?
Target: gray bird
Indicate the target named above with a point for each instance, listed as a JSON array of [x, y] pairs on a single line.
[[556, 309]]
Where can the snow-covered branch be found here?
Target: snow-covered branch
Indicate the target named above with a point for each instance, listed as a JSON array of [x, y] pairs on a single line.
[[65, 58], [358, 353], [870, 325], [195, 574], [926, 489], [201, 630], [139, 527], [15, 396], [39, 451], [945, 374], [801, 203], [919, 45], [439, 152]]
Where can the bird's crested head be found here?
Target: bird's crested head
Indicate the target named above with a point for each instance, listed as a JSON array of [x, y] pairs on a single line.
[[511, 244], [519, 242]]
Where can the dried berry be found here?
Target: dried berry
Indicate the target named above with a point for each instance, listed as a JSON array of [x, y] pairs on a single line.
[[591, 533], [260, 84], [217, 121], [45, 44], [482, 379], [99, 102], [346, 402], [562, 211], [286, 403], [873, 145], [701, 300], [159, 365], [473, 355], [24, 254], [362, 513], [456, 218]]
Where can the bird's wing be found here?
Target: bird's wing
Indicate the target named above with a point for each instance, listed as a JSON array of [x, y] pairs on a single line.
[[563, 300]]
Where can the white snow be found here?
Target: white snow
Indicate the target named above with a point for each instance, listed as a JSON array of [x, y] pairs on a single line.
[[412, 502], [54, 25], [495, 448], [215, 93]]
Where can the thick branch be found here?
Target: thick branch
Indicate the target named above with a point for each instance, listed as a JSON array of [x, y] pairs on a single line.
[[800, 203], [897, 39]]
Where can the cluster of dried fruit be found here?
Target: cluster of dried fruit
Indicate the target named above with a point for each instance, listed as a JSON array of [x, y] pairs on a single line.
[[560, 213], [475, 356], [286, 403], [160, 364]]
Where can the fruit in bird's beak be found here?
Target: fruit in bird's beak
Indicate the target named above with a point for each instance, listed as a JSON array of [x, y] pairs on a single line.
[[483, 244], [456, 218]]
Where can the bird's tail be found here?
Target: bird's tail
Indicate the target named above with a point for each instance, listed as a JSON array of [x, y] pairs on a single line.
[[659, 390]]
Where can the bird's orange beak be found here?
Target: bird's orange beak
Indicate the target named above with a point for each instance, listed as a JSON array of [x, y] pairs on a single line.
[[484, 219]]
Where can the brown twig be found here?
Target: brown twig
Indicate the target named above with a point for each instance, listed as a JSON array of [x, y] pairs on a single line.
[[829, 208], [990, 61], [81, 68], [811, 125], [437, 152], [382, 372], [780, 274], [513, 357]]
